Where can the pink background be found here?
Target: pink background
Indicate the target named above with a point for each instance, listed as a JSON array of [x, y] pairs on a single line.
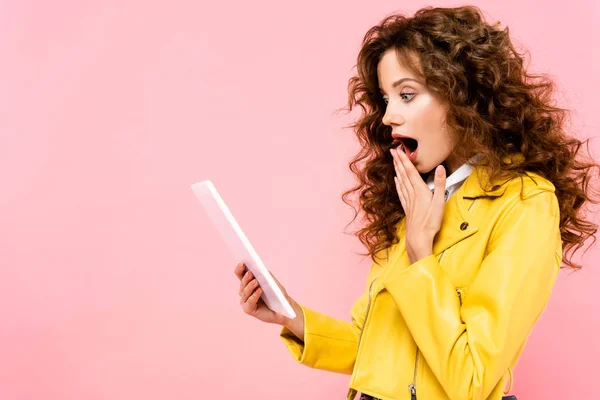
[[113, 282]]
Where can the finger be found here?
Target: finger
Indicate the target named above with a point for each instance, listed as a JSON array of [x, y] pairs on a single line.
[[251, 306], [439, 180], [405, 183], [396, 157], [410, 170], [400, 194], [438, 200], [247, 291], [239, 270], [401, 188], [248, 276]]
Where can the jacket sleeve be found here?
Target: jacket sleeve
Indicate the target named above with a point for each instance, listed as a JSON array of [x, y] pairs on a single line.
[[329, 344], [469, 347]]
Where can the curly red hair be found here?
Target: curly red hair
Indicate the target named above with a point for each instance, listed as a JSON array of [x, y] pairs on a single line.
[[495, 108]]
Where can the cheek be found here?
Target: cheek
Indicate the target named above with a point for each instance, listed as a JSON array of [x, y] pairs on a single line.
[[435, 137], [429, 118]]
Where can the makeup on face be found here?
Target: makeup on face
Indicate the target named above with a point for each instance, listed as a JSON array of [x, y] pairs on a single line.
[[415, 115]]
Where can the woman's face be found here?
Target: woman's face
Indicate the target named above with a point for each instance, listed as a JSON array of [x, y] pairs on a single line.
[[414, 112]]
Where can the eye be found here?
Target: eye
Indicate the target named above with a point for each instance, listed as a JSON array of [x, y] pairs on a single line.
[[402, 96], [407, 94]]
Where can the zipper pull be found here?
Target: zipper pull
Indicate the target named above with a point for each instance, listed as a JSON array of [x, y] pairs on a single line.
[[413, 391], [459, 292]]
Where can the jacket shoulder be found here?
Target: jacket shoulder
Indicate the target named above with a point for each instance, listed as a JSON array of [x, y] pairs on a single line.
[[528, 185]]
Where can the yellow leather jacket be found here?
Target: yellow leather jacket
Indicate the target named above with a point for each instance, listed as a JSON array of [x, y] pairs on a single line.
[[451, 325]]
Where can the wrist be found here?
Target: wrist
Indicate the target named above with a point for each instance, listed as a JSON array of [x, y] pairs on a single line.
[[291, 323], [418, 253], [421, 242]]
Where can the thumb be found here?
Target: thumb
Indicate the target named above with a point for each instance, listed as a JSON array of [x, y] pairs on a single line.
[[439, 182]]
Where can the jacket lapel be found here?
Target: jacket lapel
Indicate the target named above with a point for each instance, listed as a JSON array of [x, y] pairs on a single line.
[[458, 223]]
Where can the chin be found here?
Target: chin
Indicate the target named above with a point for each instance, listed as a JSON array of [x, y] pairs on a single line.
[[424, 169]]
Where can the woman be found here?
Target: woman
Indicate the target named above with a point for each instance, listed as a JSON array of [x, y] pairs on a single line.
[[462, 266]]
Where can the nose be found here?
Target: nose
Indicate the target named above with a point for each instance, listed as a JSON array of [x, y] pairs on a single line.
[[386, 120], [391, 117]]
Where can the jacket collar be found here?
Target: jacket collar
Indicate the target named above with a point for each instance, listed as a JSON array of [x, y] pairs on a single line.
[[457, 178]]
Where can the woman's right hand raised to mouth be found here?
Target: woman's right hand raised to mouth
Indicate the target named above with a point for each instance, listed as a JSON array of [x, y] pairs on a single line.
[[250, 292]]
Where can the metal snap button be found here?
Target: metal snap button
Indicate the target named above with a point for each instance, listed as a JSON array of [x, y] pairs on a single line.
[[464, 226]]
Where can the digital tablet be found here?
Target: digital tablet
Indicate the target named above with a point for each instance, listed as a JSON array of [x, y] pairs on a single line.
[[240, 246]]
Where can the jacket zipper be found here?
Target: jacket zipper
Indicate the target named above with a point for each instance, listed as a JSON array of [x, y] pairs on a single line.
[[413, 386], [459, 293], [366, 316], [387, 255]]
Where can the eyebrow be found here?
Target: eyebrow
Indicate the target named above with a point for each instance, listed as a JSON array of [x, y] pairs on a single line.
[[400, 81]]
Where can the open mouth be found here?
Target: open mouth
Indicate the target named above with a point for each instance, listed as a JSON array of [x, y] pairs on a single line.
[[410, 144]]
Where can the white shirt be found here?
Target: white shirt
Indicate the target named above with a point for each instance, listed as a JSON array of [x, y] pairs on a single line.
[[456, 179]]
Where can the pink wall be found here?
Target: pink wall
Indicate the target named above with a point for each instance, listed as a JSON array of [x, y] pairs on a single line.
[[113, 284]]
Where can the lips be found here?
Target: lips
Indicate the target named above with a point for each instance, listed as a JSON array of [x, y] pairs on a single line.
[[409, 145]]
